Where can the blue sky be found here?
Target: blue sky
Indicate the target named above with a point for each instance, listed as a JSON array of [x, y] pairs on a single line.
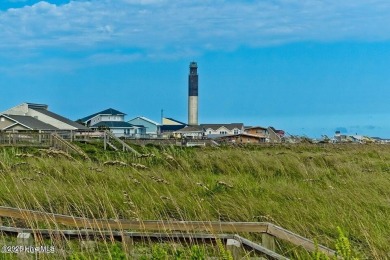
[[308, 67]]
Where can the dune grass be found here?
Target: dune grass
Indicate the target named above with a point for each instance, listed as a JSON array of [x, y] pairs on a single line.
[[308, 189]]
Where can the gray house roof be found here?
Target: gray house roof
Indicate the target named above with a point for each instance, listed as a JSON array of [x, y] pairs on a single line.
[[228, 126], [115, 124], [255, 127], [30, 122], [171, 128], [109, 111], [189, 129], [60, 118], [146, 119]]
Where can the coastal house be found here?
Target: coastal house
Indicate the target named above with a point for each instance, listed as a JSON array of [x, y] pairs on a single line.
[[275, 136], [18, 123], [217, 130], [190, 132], [42, 113], [346, 138], [169, 126], [242, 138], [152, 128], [113, 120], [210, 130], [108, 115], [261, 132]]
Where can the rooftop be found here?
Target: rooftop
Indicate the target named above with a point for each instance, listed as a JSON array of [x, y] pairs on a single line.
[[60, 118], [31, 122], [146, 119], [174, 120], [229, 126], [109, 111], [114, 124]]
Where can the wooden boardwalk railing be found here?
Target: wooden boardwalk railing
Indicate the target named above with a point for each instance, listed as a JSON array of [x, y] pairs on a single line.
[[62, 144], [125, 146], [213, 227], [44, 140], [25, 139]]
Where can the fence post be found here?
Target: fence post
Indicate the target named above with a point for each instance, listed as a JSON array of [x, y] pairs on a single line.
[[105, 140], [26, 241], [268, 241], [234, 247], [128, 244]]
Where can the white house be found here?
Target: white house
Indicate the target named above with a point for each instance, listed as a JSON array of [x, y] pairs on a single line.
[[217, 130], [108, 115], [113, 120], [191, 132], [41, 112]]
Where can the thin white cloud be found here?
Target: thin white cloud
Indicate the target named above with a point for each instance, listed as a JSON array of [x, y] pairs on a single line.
[[196, 26]]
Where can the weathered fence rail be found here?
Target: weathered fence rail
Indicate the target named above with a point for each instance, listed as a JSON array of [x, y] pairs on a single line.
[[212, 227], [125, 147], [58, 140], [26, 139]]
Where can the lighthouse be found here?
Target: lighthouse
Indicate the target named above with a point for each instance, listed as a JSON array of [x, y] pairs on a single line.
[[193, 94]]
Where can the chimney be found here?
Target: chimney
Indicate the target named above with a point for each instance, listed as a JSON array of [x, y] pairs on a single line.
[[193, 94]]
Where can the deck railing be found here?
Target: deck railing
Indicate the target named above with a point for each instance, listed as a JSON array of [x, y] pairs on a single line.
[[269, 231]]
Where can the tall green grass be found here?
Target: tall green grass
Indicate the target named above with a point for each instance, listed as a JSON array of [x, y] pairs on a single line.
[[308, 189]]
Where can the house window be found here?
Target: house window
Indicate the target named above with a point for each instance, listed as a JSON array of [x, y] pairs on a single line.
[[2, 119], [236, 131]]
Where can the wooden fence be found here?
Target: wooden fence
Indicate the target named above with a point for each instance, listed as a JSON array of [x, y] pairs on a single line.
[[58, 140], [271, 231], [26, 139]]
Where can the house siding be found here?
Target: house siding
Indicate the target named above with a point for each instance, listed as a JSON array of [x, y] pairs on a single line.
[[257, 131], [151, 128], [167, 121], [24, 110], [18, 110], [16, 127], [222, 131], [99, 118], [5, 122], [49, 120], [274, 137]]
